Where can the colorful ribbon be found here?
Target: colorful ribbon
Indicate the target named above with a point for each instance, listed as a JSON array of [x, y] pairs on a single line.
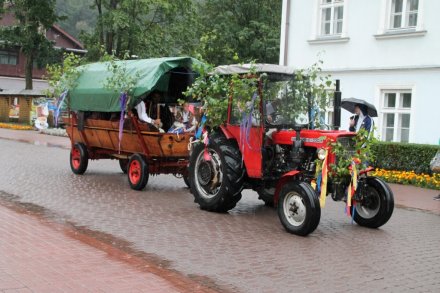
[[352, 187], [60, 102], [323, 181], [123, 102], [246, 124]]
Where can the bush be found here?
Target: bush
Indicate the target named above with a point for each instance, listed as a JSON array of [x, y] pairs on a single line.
[[404, 156]]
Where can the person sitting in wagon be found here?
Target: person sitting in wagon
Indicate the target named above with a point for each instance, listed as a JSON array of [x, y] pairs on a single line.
[[185, 120], [157, 111], [143, 116], [188, 117]]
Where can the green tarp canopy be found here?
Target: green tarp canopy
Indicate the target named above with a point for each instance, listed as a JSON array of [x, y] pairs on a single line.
[[90, 93]]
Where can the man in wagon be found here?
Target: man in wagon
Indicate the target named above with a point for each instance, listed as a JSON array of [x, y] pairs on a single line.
[[157, 111], [143, 116]]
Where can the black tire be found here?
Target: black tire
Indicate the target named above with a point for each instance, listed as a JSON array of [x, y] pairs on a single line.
[[377, 205], [301, 197], [137, 172], [266, 195], [216, 184], [79, 158], [186, 180], [123, 163]]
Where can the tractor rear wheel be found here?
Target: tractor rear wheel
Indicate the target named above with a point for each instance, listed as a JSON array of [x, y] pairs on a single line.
[[376, 206], [298, 208], [137, 172], [216, 174], [79, 158]]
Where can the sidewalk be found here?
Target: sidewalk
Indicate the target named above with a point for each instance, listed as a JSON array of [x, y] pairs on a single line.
[[37, 256], [34, 137], [404, 195]]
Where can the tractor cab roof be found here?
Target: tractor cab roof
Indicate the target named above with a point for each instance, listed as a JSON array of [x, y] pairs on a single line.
[[259, 67]]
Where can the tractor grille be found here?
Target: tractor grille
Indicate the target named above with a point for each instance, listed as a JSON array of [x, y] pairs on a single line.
[[349, 144]]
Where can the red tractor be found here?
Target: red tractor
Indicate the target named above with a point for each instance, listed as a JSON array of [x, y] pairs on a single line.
[[277, 157]]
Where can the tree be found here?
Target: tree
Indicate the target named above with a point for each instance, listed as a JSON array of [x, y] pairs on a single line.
[[34, 17], [79, 16], [146, 28], [250, 28]]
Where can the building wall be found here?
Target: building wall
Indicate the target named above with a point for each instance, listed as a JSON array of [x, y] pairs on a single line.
[[19, 69], [425, 115], [367, 60], [59, 37]]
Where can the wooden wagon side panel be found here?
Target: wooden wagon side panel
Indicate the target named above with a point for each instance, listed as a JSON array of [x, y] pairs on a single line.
[[102, 134], [173, 145]]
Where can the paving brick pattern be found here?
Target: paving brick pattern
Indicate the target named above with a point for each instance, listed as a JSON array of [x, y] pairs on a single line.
[[36, 258], [246, 250]]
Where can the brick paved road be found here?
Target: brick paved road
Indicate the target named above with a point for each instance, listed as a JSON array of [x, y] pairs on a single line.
[[246, 250], [35, 257]]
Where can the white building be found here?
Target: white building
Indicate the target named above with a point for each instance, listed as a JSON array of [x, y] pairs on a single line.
[[385, 51]]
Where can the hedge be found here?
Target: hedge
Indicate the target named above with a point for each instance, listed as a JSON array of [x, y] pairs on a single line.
[[404, 156]]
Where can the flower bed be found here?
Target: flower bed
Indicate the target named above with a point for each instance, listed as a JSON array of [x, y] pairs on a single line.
[[16, 126], [409, 177]]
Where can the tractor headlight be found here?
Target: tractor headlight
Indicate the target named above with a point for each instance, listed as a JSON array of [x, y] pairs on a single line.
[[321, 154]]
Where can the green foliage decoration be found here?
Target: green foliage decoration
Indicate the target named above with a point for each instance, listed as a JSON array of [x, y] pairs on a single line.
[[360, 151], [63, 76], [308, 88], [214, 90], [120, 81]]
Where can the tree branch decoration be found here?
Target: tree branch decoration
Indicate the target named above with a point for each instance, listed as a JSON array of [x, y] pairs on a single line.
[[121, 82], [62, 78]]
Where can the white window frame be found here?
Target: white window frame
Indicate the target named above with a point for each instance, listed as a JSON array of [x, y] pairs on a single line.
[[332, 6], [404, 21], [398, 110], [316, 33], [385, 27]]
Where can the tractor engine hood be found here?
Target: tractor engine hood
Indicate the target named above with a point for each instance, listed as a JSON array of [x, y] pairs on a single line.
[[312, 138]]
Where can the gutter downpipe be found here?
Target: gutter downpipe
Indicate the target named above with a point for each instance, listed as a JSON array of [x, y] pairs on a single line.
[[286, 25]]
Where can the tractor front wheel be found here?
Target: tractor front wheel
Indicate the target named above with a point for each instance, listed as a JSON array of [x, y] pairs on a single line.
[[79, 158], [376, 205], [216, 174], [137, 172], [298, 208]]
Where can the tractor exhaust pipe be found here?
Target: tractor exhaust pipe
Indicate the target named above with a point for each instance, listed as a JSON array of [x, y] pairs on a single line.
[[337, 106]]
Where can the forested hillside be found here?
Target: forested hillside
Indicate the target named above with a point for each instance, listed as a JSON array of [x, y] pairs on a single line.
[[213, 29]]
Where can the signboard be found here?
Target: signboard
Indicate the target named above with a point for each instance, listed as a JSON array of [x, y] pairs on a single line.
[[14, 109]]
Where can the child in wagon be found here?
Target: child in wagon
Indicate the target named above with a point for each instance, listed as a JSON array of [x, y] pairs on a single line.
[[185, 120]]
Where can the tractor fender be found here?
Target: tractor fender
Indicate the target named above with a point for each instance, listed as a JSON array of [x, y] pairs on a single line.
[[283, 180], [226, 132]]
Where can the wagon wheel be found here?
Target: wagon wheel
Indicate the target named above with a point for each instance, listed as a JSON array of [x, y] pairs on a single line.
[[123, 163], [79, 158], [137, 172]]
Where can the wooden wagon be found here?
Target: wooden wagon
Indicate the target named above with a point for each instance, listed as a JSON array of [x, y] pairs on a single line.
[[142, 149]]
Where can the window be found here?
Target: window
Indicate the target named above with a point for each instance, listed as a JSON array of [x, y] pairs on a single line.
[[8, 57], [404, 14], [396, 115], [331, 15]]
